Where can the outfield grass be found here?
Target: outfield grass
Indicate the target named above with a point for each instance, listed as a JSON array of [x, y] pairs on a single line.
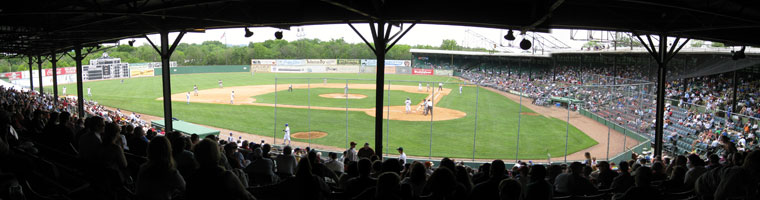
[[497, 121], [301, 97]]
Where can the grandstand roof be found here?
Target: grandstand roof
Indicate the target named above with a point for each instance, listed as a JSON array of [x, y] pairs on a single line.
[[40, 26], [34, 27]]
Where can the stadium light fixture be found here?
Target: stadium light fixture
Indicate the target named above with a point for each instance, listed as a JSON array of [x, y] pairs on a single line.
[[739, 54], [525, 43], [248, 33], [278, 35], [510, 35], [131, 43]]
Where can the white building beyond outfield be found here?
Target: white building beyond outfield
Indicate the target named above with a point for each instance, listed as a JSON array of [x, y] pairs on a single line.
[[340, 66]]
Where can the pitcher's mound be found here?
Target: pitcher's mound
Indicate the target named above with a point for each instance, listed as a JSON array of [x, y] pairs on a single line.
[[305, 135], [342, 96]]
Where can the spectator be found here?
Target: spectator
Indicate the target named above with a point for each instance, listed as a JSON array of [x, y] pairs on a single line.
[[358, 184], [416, 179], [158, 178], [483, 174], [184, 159], [606, 175], [211, 177], [388, 187], [138, 143], [309, 185], [334, 164], [490, 188], [624, 180], [260, 171], [351, 153], [573, 182], [510, 189], [352, 170], [441, 185], [286, 163], [365, 152], [91, 138], [539, 188], [675, 182], [642, 189], [731, 182]]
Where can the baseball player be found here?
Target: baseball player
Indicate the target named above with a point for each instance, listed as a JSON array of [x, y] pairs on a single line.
[[188, 97], [428, 87], [232, 97], [220, 84], [122, 81], [89, 92], [408, 105], [440, 86], [345, 90], [419, 87], [460, 89], [430, 106], [290, 88], [195, 89], [325, 81], [64, 90], [424, 106], [287, 134]]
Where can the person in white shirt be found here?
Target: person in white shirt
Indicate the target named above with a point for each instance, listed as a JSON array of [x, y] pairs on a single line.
[[232, 97], [334, 164], [286, 137], [188, 97], [402, 155], [64, 91], [419, 87], [408, 105], [351, 153], [89, 93], [230, 138], [460, 89], [430, 106], [440, 86]]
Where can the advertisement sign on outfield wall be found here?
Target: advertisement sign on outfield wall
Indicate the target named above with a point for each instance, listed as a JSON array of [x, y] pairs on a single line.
[[263, 62], [403, 70], [368, 62], [442, 72], [418, 71], [349, 62], [343, 69], [390, 70], [61, 71], [291, 62], [13, 75], [321, 61], [140, 72], [261, 68]]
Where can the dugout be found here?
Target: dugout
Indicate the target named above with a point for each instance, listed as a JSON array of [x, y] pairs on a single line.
[[186, 128]]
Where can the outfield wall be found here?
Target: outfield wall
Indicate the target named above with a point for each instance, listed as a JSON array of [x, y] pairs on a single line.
[[205, 69], [340, 66]]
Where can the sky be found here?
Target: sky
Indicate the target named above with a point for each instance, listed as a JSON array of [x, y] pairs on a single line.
[[421, 34]]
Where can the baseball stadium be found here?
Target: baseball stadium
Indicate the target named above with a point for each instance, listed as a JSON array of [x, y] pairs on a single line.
[[569, 109]]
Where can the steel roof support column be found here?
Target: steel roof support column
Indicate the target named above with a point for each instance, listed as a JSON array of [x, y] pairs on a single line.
[[39, 70], [381, 38], [54, 62], [31, 78], [662, 56], [80, 93], [659, 123], [380, 48], [166, 53]]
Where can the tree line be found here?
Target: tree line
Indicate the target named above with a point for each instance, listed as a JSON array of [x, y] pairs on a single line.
[[216, 53]]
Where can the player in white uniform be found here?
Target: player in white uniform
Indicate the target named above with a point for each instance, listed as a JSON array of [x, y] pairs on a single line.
[[220, 84], [188, 97], [428, 87], [430, 106], [287, 134], [408, 105], [232, 97], [419, 87], [440, 86], [89, 92], [345, 91], [195, 89], [290, 88], [64, 91], [460, 89]]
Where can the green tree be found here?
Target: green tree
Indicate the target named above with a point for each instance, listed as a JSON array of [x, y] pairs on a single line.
[[717, 44], [697, 43]]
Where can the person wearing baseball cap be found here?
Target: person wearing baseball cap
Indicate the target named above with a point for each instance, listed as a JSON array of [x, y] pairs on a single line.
[[402, 155], [351, 153]]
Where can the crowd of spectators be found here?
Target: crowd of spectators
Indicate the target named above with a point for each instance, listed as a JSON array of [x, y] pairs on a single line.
[[703, 112]]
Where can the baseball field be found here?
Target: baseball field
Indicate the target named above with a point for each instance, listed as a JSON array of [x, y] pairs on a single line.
[[316, 105]]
